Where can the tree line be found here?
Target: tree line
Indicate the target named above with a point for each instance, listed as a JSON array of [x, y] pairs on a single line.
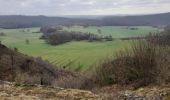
[[56, 36]]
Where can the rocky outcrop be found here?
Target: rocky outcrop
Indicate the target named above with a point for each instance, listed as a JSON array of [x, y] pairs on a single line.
[[12, 91]]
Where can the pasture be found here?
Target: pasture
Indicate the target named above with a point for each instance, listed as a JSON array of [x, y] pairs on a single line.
[[116, 31], [79, 56]]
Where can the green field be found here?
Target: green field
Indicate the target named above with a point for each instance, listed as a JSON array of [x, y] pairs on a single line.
[[115, 31], [80, 56]]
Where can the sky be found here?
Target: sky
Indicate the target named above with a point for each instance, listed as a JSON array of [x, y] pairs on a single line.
[[82, 7]]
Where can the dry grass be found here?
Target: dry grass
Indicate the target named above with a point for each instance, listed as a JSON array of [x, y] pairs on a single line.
[[77, 82]]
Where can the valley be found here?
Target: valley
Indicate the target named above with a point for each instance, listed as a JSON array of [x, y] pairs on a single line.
[[75, 55]]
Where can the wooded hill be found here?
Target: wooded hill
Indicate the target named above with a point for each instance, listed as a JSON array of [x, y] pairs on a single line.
[[17, 21]]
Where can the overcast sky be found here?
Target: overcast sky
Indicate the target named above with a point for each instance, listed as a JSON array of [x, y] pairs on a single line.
[[82, 7]]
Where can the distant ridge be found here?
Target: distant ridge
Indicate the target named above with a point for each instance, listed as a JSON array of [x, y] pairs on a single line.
[[19, 21], [151, 19]]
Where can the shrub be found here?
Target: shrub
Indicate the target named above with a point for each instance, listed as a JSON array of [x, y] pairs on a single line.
[[144, 63], [162, 38]]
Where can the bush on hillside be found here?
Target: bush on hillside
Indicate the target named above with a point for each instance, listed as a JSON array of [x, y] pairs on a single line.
[[162, 38], [144, 64]]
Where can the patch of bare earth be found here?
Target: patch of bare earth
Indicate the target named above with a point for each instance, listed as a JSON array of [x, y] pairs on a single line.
[[117, 92], [36, 92]]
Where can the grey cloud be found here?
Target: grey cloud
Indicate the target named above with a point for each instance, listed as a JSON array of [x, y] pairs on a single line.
[[72, 7]]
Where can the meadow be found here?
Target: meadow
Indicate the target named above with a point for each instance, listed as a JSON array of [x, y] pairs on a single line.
[[79, 56], [116, 31]]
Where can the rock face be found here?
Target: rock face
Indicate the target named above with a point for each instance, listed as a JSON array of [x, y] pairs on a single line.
[[11, 91]]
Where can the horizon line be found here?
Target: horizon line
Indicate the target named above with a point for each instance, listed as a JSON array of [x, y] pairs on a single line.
[[85, 15]]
